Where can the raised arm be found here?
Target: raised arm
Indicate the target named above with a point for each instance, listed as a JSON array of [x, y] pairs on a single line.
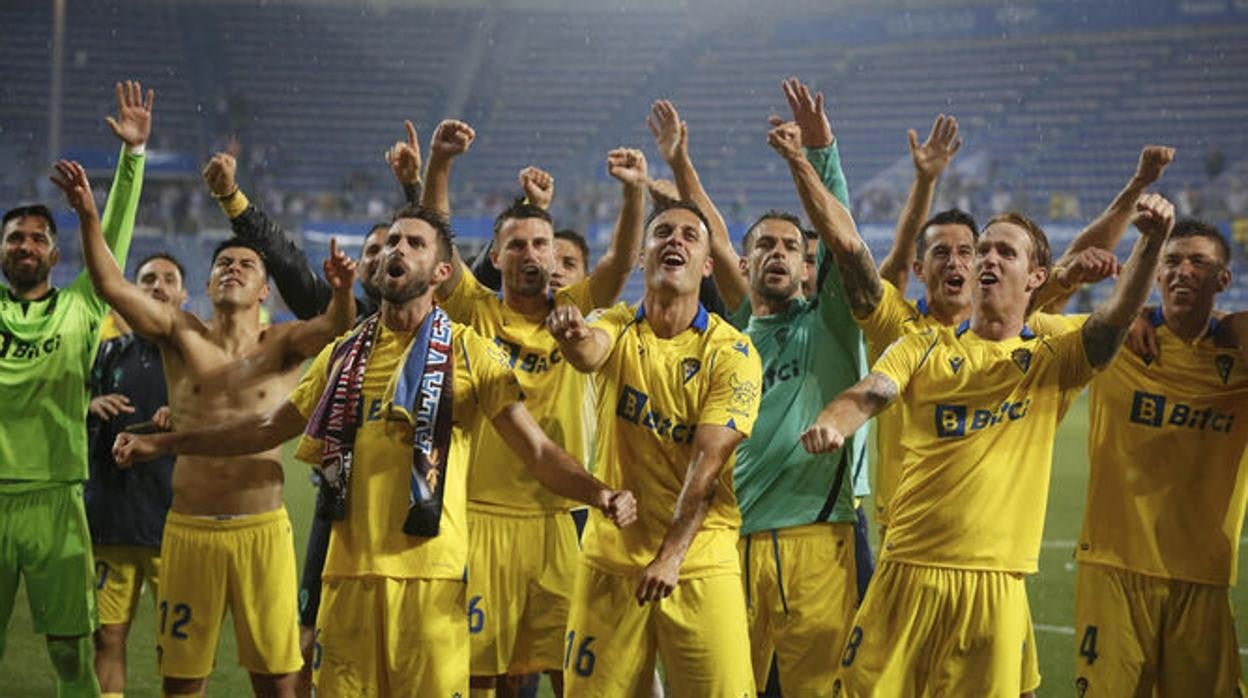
[[305, 339], [1106, 329], [585, 347], [239, 437], [833, 222], [1107, 230], [712, 447], [849, 411], [304, 291], [404, 161], [148, 316], [672, 137], [930, 160], [450, 140], [556, 470], [133, 126], [610, 274]]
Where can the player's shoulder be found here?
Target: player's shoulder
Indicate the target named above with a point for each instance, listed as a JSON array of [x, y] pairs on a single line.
[[721, 336], [472, 348]]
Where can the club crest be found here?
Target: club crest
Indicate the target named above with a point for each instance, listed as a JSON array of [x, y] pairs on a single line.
[[689, 368], [1022, 359], [955, 363], [1224, 362]]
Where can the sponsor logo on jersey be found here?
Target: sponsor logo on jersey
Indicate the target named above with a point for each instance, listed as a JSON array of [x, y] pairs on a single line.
[[633, 407], [953, 421], [778, 374], [13, 348], [528, 361], [1153, 410]]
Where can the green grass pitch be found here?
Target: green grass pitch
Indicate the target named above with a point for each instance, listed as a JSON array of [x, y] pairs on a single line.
[[27, 672]]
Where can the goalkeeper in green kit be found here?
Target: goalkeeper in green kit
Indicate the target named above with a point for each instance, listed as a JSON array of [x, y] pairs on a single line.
[[48, 338]]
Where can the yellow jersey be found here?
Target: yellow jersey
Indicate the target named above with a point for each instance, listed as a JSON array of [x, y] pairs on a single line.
[[554, 393], [1166, 443], [981, 417], [653, 394], [370, 541], [892, 318]]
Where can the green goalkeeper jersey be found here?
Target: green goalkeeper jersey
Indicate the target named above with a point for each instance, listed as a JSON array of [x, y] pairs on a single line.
[[47, 347]]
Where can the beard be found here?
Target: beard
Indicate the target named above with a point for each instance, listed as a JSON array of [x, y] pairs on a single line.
[[418, 286], [23, 277], [777, 294]]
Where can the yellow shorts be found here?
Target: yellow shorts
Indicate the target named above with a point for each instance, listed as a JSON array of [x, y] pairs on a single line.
[[1031, 659], [520, 574], [245, 564], [936, 631], [1135, 634], [801, 589], [699, 632], [120, 571], [377, 636]]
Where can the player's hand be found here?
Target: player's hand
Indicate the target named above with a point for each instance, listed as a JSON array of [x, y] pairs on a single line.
[[663, 191], [163, 418], [933, 156], [129, 449], [219, 175], [786, 139], [452, 138], [105, 407], [658, 580], [671, 134], [808, 114], [628, 166], [1142, 337], [133, 124], [71, 179], [1154, 216], [1153, 162], [1088, 266], [538, 186], [820, 438], [618, 505], [339, 268], [567, 324], [404, 157]]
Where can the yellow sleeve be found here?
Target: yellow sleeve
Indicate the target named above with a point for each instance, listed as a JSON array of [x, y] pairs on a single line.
[[1052, 324], [613, 320], [901, 360], [308, 393], [884, 325], [305, 398], [234, 206], [736, 387], [578, 294], [1070, 360], [461, 305], [494, 383]]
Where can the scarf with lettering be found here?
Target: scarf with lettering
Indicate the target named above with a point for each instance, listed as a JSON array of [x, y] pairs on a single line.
[[420, 393]]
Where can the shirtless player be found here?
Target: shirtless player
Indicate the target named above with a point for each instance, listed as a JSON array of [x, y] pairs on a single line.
[[228, 538]]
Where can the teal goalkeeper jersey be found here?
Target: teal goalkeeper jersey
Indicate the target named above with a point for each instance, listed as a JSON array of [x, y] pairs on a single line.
[[810, 352], [47, 347]]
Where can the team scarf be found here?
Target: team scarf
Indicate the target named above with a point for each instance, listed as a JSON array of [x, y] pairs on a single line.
[[421, 394]]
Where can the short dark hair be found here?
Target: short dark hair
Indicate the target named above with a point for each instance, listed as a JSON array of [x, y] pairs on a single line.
[[239, 242], [770, 215], [810, 234], [521, 209], [168, 257], [1041, 255], [1193, 228], [953, 216], [576, 239], [441, 226], [31, 210], [663, 206]]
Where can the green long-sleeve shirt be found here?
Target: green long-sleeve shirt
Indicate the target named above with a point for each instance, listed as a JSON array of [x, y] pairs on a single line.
[[47, 347]]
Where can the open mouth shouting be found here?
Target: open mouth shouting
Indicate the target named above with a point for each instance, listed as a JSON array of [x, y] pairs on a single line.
[[673, 259], [986, 279], [954, 283]]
